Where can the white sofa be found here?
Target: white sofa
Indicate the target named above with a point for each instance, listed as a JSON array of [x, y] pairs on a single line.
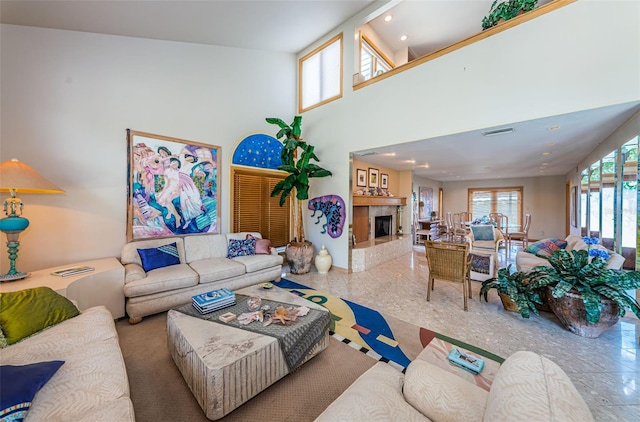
[[92, 384], [527, 387], [203, 267], [525, 261]]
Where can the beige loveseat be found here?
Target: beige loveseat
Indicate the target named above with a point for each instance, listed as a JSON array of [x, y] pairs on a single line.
[[92, 384], [527, 387], [203, 267], [525, 261]]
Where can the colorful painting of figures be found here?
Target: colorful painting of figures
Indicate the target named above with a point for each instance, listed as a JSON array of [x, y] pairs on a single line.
[[173, 187]]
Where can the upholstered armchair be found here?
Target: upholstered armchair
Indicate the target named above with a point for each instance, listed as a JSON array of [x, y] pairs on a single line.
[[485, 239]]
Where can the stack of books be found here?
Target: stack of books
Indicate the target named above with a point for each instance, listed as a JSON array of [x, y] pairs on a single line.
[[214, 300]]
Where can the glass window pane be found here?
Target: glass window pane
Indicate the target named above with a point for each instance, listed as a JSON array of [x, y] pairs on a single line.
[[321, 74]]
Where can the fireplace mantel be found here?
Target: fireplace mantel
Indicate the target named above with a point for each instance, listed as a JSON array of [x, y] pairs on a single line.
[[372, 201]]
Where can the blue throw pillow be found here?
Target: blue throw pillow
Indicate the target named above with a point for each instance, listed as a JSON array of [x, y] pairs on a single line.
[[482, 232], [162, 256], [245, 247], [26, 380]]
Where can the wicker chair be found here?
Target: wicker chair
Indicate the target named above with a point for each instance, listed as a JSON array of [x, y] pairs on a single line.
[[448, 261]]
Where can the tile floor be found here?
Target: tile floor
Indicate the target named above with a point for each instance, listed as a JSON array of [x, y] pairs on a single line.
[[606, 370]]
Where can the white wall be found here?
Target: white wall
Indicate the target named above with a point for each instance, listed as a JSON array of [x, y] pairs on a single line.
[[543, 198], [582, 56], [68, 98]]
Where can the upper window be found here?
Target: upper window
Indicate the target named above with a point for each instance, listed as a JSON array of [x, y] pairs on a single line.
[[372, 61], [321, 75]]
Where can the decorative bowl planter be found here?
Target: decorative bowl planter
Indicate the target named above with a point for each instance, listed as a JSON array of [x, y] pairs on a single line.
[[299, 257], [571, 312], [509, 305]]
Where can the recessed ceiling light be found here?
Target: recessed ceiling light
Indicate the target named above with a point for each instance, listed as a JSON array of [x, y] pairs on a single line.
[[410, 161], [403, 38], [498, 131], [546, 153], [554, 128], [388, 18], [550, 144]]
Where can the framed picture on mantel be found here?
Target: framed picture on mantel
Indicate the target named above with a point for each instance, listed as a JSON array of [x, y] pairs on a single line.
[[361, 178], [384, 181], [373, 178]]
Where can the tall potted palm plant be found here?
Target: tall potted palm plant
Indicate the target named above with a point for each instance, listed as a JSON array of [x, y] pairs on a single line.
[[297, 157]]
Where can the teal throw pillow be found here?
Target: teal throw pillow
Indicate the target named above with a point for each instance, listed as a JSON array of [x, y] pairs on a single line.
[[28, 311], [483, 232], [162, 256], [26, 380]]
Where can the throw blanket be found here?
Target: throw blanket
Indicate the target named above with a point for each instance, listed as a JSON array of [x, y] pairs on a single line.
[[296, 340]]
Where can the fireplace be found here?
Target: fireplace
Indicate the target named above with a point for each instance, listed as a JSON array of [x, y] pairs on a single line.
[[382, 226]]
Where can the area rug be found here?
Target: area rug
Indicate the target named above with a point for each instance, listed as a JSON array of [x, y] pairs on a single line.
[[390, 339]]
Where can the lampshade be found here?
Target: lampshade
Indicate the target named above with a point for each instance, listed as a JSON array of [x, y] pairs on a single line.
[[19, 177]]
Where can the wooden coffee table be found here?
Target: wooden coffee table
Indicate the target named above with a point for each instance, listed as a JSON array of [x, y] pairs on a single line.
[[226, 366]]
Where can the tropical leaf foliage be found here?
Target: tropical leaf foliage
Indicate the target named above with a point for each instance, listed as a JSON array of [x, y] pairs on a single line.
[[586, 272], [300, 167], [519, 286]]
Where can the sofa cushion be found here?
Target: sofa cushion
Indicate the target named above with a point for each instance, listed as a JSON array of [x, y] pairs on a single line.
[[208, 246], [542, 391], [545, 247], [162, 256], [244, 247], [259, 262], [28, 311], [263, 246], [426, 386], [215, 269], [161, 280], [375, 396], [26, 380]]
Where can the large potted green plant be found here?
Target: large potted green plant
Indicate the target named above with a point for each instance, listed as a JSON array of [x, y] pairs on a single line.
[[503, 10], [516, 289], [585, 295], [297, 157]]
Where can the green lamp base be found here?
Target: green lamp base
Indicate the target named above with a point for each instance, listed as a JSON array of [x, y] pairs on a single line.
[[14, 277]]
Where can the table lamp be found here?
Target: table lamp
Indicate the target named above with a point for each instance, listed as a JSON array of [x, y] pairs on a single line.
[[18, 177]]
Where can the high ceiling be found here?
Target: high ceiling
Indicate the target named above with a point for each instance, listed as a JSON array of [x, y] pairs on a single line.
[[290, 26]]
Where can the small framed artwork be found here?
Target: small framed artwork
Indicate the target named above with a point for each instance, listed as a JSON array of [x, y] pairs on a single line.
[[373, 178], [384, 181], [361, 178], [573, 209]]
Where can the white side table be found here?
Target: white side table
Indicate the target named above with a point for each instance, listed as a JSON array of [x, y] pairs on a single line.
[[102, 286]]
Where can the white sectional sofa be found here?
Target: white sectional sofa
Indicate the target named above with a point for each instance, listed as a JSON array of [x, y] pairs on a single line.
[[527, 387], [92, 384], [525, 261], [203, 267]]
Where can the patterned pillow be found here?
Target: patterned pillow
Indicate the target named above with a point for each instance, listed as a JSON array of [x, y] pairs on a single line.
[[162, 256], [246, 247], [16, 396], [28, 311], [545, 247], [263, 246]]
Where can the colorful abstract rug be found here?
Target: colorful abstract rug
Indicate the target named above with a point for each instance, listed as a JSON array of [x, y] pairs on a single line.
[[390, 339]]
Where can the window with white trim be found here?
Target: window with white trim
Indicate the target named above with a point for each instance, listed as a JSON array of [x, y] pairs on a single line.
[[321, 75]]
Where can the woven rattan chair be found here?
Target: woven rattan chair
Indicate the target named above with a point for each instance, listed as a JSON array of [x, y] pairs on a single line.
[[448, 261]]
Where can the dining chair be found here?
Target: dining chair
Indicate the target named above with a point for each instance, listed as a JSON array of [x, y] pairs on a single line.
[[523, 235], [501, 222], [419, 232], [451, 262], [460, 225]]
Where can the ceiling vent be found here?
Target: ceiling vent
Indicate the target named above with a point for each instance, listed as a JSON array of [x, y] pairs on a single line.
[[365, 153], [498, 131]]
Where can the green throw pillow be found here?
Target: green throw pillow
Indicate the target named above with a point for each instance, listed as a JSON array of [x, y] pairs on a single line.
[[26, 312]]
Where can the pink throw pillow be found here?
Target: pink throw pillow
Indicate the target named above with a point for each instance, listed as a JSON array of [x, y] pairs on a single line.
[[263, 246]]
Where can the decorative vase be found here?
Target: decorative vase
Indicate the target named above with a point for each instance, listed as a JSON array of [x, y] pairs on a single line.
[[571, 312], [299, 256], [323, 261], [509, 305]]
